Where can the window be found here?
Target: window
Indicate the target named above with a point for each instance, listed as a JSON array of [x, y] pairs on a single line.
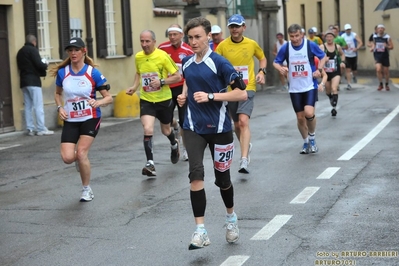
[[76, 27], [110, 27], [43, 29], [243, 7], [303, 21], [113, 28]]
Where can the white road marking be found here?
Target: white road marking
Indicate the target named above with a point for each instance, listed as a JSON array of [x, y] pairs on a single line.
[[305, 195], [328, 173], [272, 227], [235, 261], [8, 147], [396, 85], [369, 137]]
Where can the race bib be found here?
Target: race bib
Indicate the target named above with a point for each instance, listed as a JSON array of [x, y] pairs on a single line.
[[223, 157], [379, 47], [330, 66], [146, 80], [298, 70], [243, 72], [351, 45], [79, 108]]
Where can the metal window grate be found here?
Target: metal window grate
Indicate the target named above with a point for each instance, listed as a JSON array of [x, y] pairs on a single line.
[[43, 29], [76, 27], [110, 27]]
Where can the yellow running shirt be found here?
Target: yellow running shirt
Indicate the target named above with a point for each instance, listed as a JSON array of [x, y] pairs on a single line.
[[157, 65], [241, 56]]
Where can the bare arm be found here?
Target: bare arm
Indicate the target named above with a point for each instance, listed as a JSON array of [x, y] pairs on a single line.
[[260, 76], [359, 43], [231, 96], [136, 83]]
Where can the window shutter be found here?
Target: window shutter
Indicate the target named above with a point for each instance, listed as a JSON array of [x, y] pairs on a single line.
[[127, 28], [64, 32], [101, 38], [30, 17]]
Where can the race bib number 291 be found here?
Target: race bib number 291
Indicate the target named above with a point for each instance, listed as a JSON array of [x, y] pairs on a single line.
[[223, 155]]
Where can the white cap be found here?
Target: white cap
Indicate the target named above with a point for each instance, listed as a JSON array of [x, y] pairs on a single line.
[[347, 27], [314, 29], [381, 26], [303, 30], [216, 29]]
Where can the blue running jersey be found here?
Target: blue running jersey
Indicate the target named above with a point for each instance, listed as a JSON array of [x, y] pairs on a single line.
[[212, 75]]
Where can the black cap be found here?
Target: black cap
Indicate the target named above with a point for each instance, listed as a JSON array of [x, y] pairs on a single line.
[[76, 42], [310, 31]]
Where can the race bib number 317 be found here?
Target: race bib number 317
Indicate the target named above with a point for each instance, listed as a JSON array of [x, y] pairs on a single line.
[[223, 155]]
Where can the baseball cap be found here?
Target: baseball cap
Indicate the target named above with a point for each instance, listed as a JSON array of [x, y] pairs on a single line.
[[314, 29], [279, 34], [236, 19], [347, 27], [311, 31], [216, 29], [76, 42], [380, 26]]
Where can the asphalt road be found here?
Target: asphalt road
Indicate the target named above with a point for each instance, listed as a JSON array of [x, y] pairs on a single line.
[[337, 206]]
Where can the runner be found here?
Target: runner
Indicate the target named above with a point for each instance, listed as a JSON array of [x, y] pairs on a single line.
[[354, 43], [336, 58], [177, 50], [152, 68], [207, 124], [302, 75], [277, 46], [217, 37], [77, 81], [381, 45], [240, 51]]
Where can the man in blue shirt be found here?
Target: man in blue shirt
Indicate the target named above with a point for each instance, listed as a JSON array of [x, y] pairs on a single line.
[[302, 76]]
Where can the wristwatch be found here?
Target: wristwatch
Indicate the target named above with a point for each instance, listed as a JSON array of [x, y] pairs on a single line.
[[263, 70], [211, 96], [162, 82], [320, 70], [58, 108]]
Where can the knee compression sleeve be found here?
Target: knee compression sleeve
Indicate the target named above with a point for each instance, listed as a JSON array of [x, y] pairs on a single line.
[[310, 118], [228, 196], [198, 202]]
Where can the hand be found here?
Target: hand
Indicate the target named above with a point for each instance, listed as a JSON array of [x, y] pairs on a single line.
[[284, 70], [320, 87], [155, 83], [201, 97], [93, 103], [342, 65], [316, 74], [63, 115], [181, 99], [130, 91], [260, 78]]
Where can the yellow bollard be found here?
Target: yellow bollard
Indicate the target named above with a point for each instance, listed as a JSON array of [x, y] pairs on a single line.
[[126, 105]]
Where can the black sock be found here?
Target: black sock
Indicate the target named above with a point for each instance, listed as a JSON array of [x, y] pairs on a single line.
[[198, 202], [147, 141], [335, 100], [386, 84], [172, 138]]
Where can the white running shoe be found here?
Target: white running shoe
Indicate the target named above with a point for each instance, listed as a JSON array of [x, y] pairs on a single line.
[[243, 166], [185, 155], [199, 240], [87, 195], [232, 231], [45, 133]]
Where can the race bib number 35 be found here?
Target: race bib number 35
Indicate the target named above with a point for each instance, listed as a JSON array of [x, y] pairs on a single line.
[[223, 156]]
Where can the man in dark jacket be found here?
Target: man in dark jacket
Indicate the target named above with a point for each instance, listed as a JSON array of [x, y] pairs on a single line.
[[31, 68]]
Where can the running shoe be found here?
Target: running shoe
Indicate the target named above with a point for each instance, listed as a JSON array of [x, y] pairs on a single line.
[[30, 133], [199, 239], [387, 87], [380, 87], [313, 147], [354, 79], [149, 170], [249, 152], [305, 149], [349, 87], [243, 166], [175, 153], [333, 112], [185, 155], [87, 195], [45, 133], [232, 231]]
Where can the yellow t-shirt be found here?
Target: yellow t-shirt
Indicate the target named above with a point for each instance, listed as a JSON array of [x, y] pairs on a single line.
[[157, 65], [316, 40], [241, 55]]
